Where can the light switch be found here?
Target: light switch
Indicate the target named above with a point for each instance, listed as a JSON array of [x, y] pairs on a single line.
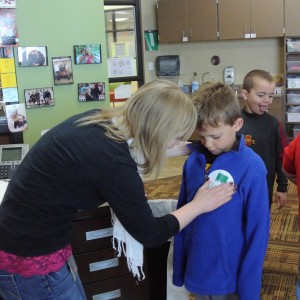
[[151, 66]]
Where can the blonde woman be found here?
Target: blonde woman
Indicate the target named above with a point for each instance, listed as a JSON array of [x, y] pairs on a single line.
[[93, 158]]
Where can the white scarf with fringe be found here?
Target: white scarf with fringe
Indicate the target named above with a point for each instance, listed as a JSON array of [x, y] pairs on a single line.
[[131, 248]]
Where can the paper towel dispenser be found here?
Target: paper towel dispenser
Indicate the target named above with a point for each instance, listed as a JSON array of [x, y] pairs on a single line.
[[168, 65]]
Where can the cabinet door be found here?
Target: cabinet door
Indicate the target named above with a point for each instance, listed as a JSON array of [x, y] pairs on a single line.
[[292, 9], [267, 18], [234, 19], [202, 20], [171, 21]]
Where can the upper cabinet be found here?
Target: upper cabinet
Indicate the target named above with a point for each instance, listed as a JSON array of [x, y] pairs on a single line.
[[239, 19], [187, 20], [292, 8]]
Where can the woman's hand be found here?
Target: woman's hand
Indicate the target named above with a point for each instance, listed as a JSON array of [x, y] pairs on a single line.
[[210, 199], [205, 200]]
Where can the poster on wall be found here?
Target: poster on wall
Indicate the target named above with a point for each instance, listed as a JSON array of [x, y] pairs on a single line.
[[8, 27], [39, 97], [7, 3], [62, 70], [16, 117]]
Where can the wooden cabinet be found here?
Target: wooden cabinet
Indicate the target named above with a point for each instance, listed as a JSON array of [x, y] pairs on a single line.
[[292, 85], [292, 8], [187, 20], [191, 21], [104, 276], [239, 19]]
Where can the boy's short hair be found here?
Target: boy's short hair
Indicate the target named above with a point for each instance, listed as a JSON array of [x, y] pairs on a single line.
[[216, 102], [248, 82]]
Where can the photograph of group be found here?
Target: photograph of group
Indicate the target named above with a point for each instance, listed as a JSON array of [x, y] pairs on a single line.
[[93, 91], [39, 97], [87, 54]]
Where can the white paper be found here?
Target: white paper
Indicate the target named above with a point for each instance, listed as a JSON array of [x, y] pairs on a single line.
[[120, 67], [10, 95], [123, 91]]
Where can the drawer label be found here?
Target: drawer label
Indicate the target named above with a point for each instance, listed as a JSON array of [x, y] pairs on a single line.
[[104, 264], [99, 234], [109, 295]]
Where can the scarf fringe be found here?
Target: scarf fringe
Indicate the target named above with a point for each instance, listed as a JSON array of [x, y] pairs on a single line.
[[133, 250]]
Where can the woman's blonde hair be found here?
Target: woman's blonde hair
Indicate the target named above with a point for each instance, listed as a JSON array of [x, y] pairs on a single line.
[[152, 116]]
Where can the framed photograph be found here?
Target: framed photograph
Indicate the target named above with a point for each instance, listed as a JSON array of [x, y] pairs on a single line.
[[87, 54], [8, 27], [16, 117], [39, 97], [62, 70], [91, 91], [7, 52], [7, 3], [32, 56]]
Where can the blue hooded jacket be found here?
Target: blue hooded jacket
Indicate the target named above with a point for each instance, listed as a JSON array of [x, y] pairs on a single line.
[[223, 251]]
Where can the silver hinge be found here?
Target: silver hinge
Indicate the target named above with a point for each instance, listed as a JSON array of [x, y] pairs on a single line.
[[218, 34], [283, 30]]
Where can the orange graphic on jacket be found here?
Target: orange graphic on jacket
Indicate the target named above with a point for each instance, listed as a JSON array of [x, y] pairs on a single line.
[[249, 141]]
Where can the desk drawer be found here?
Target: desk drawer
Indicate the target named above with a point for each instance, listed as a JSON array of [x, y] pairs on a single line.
[[100, 265], [90, 235], [120, 288]]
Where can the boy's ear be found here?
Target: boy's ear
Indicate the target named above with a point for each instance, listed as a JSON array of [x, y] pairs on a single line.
[[244, 94], [238, 124]]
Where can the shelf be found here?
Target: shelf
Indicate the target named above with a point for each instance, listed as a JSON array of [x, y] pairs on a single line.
[[292, 89]]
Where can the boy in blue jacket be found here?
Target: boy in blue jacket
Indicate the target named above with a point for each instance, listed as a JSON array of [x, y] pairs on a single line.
[[220, 255]]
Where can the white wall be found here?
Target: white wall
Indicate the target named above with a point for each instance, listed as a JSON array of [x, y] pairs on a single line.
[[245, 55]]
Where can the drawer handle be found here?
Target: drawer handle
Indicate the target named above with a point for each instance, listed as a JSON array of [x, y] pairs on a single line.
[[99, 234], [107, 296], [104, 264]]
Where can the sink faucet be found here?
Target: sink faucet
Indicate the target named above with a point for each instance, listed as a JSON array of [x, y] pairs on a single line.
[[208, 73]]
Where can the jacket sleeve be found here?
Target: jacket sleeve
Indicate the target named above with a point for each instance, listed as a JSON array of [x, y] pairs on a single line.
[[179, 256], [281, 143], [256, 234], [288, 163]]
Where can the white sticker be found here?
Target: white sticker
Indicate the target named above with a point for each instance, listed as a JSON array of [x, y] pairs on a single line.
[[218, 177]]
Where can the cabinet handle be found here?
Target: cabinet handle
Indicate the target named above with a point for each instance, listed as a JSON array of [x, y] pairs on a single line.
[[184, 38], [109, 295], [98, 234], [104, 264], [253, 34], [191, 33]]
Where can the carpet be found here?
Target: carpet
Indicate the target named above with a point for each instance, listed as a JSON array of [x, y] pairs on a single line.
[[281, 261]]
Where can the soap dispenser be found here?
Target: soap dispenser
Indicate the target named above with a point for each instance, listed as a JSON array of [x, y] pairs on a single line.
[[195, 82]]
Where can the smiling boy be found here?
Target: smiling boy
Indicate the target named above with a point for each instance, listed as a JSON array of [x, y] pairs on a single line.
[[262, 130]]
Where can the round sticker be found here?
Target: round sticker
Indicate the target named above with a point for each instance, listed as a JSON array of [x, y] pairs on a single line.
[[218, 177]]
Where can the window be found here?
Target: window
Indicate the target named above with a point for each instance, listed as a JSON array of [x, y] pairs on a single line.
[[124, 47]]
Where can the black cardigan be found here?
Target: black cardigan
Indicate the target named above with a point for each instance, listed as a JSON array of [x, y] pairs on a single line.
[[75, 167]]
